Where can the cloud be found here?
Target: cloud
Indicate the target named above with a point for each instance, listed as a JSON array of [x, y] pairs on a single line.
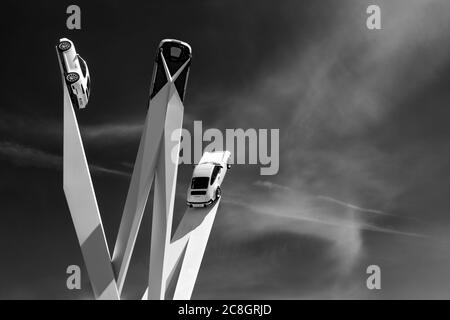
[[112, 133], [25, 156], [286, 192], [331, 100], [336, 95], [271, 185], [30, 125], [352, 206], [288, 244], [296, 213]]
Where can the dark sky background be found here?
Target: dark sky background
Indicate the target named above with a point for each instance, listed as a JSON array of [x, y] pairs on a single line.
[[364, 142]]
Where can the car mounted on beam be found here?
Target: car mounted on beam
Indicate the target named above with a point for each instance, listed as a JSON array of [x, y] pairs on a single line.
[[76, 73], [172, 54], [207, 178]]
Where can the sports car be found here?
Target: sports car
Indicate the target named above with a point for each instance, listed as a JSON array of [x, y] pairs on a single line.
[[75, 72], [207, 179]]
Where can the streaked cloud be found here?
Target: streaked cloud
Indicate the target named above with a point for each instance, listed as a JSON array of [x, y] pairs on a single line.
[[25, 156], [352, 206], [364, 143]]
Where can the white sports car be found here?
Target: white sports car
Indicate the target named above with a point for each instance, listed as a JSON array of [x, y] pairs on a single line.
[[207, 178], [172, 54], [76, 72]]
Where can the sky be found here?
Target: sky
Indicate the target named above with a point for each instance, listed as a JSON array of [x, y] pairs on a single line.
[[364, 154]]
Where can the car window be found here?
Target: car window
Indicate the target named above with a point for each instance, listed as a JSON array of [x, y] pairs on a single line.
[[214, 174], [88, 86], [159, 78], [175, 52], [82, 66], [199, 183]]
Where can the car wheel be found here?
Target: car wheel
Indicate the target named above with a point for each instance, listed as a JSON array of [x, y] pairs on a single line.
[[64, 45], [72, 77], [218, 193]]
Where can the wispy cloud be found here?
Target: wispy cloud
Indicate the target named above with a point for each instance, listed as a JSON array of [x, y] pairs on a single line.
[[352, 206], [332, 93], [112, 132], [26, 156], [283, 209], [299, 206], [35, 126], [271, 185]]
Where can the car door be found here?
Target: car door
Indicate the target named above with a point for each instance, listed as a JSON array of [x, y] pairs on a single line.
[[214, 177], [219, 175]]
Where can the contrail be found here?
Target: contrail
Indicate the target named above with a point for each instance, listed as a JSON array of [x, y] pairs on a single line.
[[355, 207], [331, 223]]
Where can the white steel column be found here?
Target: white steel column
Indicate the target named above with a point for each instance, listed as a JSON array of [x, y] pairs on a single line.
[[82, 203]]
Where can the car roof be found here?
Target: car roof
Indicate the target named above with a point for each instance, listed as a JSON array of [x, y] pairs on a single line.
[[65, 39], [217, 157], [177, 42], [203, 170]]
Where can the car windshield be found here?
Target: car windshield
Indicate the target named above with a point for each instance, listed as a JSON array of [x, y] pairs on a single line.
[[175, 52], [199, 183]]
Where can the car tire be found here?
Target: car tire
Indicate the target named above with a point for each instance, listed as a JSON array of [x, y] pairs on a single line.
[[64, 45], [218, 193], [72, 77]]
